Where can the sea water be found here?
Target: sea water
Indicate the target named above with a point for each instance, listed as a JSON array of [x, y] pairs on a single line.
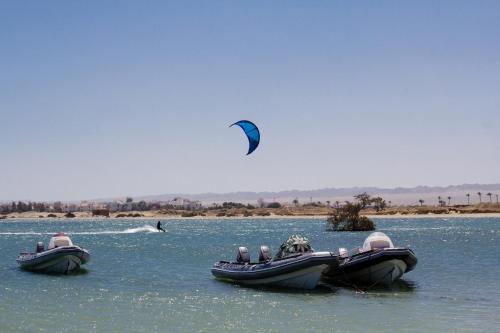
[[139, 280]]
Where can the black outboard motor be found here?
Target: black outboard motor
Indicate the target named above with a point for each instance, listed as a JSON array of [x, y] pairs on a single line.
[[264, 254], [40, 247], [243, 255]]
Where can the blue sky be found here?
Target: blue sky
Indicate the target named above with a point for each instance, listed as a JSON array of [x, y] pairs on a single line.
[[103, 98]]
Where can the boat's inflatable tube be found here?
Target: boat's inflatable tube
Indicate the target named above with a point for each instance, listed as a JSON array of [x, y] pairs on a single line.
[[57, 260], [297, 271]]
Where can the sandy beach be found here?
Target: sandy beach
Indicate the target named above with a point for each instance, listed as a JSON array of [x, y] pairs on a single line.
[[160, 216]]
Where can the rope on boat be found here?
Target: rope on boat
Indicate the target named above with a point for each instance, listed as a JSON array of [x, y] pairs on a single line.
[[67, 268]]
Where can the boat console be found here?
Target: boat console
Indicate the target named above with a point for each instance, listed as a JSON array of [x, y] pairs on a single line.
[[59, 240], [377, 240]]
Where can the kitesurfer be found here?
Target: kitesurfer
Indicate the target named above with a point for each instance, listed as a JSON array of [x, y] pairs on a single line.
[[158, 226]]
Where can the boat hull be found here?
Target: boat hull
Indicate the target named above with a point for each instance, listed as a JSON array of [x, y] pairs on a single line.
[[384, 273], [380, 267], [59, 260], [299, 272]]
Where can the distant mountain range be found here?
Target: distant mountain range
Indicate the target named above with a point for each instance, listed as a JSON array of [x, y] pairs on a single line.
[[399, 195]]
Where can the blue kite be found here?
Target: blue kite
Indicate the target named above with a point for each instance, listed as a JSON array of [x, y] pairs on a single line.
[[252, 133]]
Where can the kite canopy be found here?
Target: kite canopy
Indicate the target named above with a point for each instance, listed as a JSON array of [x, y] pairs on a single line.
[[252, 133]]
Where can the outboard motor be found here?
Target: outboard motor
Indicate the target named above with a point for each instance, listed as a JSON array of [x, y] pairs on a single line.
[[40, 247], [243, 255], [264, 254]]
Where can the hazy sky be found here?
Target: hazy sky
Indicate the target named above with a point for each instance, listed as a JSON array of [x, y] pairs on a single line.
[[108, 98]]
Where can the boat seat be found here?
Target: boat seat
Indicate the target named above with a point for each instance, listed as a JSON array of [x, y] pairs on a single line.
[[264, 254], [379, 244], [243, 255]]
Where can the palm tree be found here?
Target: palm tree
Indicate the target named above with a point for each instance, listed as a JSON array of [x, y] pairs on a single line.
[[479, 194], [468, 198], [449, 201], [421, 202], [496, 195], [439, 200], [337, 204], [489, 194], [328, 203], [390, 202]]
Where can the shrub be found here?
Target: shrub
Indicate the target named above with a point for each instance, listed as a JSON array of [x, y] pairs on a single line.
[[232, 205], [188, 214], [284, 212], [264, 214], [347, 218], [100, 212]]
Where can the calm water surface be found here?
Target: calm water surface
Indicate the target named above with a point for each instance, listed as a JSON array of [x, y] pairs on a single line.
[[138, 280]]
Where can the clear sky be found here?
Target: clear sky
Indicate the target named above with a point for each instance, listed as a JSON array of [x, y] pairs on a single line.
[[114, 98]]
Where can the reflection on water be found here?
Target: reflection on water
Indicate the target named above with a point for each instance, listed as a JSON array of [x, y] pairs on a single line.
[[400, 286], [76, 271], [323, 288]]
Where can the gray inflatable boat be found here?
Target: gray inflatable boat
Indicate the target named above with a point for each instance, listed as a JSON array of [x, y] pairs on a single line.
[[378, 262], [61, 256], [295, 266]]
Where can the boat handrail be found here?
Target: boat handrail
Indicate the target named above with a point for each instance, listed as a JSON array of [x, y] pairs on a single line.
[[295, 255], [354, 250]]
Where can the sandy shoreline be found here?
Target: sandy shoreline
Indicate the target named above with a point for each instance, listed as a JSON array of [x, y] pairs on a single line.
[[402, 216]]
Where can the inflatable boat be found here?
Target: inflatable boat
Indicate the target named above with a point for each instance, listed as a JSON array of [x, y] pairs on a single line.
[[296, 266], [61, 256], [378, 262]]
